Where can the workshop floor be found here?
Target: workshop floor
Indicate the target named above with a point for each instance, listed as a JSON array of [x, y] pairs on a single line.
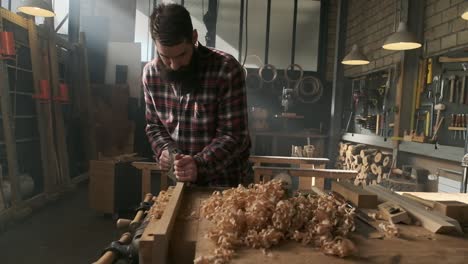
[[65, 231]]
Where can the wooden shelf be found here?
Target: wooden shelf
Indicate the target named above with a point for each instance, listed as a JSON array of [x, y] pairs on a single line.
[[372, 140], [443, 152]]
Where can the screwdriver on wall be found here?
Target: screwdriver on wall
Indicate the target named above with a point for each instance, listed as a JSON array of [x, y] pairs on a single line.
[[452, 124]]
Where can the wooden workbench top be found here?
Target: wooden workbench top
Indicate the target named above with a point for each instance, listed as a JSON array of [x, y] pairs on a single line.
[[416, 245]]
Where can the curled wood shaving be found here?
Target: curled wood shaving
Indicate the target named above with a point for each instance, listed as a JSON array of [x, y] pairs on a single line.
[[261, 216], [160, 203], [390, 229]]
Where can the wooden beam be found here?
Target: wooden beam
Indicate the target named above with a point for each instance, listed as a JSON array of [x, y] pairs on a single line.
[[14, 18], [433, 222], [306, 172], [146, 165], [48, 154], [85, 107], [356, 195], [60, 138], [154, 243], [8, 129], [288, 160]]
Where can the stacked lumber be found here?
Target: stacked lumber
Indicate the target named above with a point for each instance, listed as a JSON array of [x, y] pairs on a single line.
[[372, 164]]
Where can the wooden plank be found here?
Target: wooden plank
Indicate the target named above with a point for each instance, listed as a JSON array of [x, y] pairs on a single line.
[[154, 243], [163, 231], [88, 122], [8, 130], [146, 165], [414, 248], [306, 183], [288, 160], [101, 186], [48, 154], [14, 18], [433, 222], [61, 142], [305, 172], [436, 196], [145, 182], [356, 195], [453, 209]]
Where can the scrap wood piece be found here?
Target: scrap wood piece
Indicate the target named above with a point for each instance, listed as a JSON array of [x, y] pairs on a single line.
[[454, 209], [432, 221], [394, 213], [356, 195], [154, 243]]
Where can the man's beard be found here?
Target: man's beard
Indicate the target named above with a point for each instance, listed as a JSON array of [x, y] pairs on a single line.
[[184, 74]]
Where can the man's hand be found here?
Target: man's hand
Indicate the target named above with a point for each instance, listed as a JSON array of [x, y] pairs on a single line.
[[185, 168], [165, 160]]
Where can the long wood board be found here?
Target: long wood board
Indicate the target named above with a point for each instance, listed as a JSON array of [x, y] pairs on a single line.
[[154, 243], [307, 172], [433, 222], [288, 160], [356, 195]]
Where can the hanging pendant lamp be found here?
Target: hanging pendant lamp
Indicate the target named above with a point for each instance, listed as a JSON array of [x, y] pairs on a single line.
[[355, 57], [402, 39], [38, 8], [464, 15]]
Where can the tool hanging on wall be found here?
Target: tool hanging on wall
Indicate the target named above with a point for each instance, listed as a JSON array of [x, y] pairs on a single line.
[[461, 99], [452, 80], [439, 108], [429, 71]]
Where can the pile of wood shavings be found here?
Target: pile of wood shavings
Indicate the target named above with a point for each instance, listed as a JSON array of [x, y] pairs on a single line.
[[261, 216], [159, 204]]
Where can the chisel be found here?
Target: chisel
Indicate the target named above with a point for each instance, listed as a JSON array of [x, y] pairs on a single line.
[[462, 91]]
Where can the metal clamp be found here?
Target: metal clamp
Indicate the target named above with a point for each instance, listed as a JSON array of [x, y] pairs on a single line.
[[121, 251], [144, 206]]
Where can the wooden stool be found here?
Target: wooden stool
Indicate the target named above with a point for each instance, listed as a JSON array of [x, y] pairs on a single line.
[[304, 182], [146, 169]]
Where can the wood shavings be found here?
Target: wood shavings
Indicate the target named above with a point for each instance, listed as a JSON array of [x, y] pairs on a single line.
[[261, 216], [376, 215], [160, 203], [390, 229]]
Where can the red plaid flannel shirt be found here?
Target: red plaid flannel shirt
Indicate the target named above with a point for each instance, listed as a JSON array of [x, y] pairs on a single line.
[[210, 123]]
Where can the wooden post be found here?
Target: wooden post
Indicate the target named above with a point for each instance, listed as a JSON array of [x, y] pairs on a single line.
[[61, 143], [44, 113], [85, 101], [8, 131]]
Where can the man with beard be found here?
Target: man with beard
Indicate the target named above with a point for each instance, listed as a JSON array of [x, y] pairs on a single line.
[[196, 107]]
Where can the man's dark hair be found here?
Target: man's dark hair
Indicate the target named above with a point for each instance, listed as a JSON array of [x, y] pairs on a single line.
[[171, 24]]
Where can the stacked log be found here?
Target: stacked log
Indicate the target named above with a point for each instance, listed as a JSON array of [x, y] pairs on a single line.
[[372, 164]]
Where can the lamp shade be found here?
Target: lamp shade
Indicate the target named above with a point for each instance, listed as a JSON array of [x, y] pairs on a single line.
[[38, 8], [355, 57], [464, 15], [402, 39]]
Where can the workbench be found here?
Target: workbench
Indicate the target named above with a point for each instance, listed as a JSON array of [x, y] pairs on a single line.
[[182, 239]]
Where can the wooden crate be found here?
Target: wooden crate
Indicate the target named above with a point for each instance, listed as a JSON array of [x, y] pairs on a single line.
[[114, 186]]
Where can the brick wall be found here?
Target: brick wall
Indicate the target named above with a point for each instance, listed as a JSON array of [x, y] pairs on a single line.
[[369, 23], [444, 30], [331, 38]]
